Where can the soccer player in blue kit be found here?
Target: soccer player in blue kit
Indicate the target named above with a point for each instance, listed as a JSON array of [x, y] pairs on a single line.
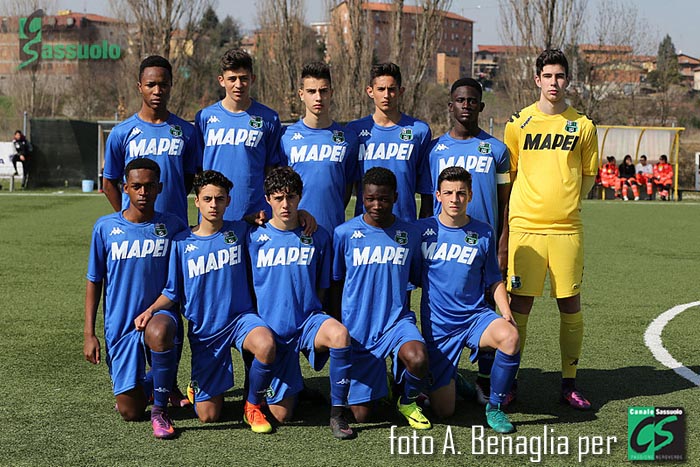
[[291, 272], [157, 134], [375, 256], [321, 151], [129, 261], [239, 136], [459, 254], [396, 141], [208, 277]]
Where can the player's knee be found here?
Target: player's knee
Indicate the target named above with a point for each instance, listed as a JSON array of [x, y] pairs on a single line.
[[263, 346], [416, 360], [360, 413], [339, 336], [509, 341], [160, 336], [442, 408], [131, 414], [208, 415]]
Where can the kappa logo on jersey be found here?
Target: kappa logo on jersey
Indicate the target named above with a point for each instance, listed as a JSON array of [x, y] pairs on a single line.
[[255, 121], [472, 238], [440, 147], [378, 151], [160, 230], [234, 137], [401, 237], [263, 238], [525, 122], [135, 132], [571, 127], [463, 254], [379, 255], [297, 136], [317, 152], [139, 248], [338, 136], [285, 256], [306, 239], [230, 237], [541, 142], [364, 133], [176, 131], [190, 247], [479, 164], [213, 119], [116, 231], [429, 232], [406, 134], [156, 147], [357, 234], [214, 261], [484, 148]]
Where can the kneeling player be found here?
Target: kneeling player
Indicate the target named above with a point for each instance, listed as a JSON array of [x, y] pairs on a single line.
[[291, 271], [129, 254], [459, 259], [376, 254], [208, 276]]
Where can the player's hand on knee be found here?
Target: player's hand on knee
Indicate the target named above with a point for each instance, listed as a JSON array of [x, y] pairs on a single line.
[[142, 320], [91, 349]]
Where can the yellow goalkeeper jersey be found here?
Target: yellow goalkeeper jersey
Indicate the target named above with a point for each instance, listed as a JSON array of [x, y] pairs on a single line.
[[549, 155]]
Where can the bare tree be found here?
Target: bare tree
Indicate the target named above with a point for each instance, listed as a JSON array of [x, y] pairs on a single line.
[[396, 40], [528, 27]]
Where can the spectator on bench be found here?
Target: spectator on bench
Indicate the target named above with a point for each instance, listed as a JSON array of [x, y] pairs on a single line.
[[663, 177], [610, 176], [645, 175], [628, 178]]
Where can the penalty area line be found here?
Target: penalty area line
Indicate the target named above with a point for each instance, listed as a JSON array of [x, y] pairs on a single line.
[[652, 339]]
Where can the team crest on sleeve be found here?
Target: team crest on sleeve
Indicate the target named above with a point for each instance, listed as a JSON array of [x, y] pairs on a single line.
[[515, 282], [160, 230], [401, 237], [406, 134], [230, 237], [472, 238], [256, 121], [306, 239], [571, 127], [338, 136], [484, 148], [176, 131]]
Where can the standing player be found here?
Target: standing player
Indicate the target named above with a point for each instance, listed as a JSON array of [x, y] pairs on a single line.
[[487, 160], [393, 140], [321, 151], [454, 312], [129, 260], [208, 276], [239, 136], [554, 158], [375, 256], [290, 272], [157, 134]]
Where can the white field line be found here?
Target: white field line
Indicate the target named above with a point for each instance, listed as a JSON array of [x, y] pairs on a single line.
[[652, 339]]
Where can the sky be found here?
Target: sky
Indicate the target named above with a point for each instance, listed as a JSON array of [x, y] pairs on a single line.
[[677, 18]]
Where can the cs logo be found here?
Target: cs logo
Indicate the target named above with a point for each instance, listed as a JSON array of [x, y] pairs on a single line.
[[655, 433], [30, 38]]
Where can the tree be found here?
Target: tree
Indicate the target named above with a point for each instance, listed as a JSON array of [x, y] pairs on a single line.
[[665, 76]]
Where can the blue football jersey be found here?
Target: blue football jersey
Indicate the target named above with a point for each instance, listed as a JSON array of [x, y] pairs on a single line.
[[172, 145], [208, 276], [132, 260], [326, 160], [485, 158], [458, 265], [376, 265], [401, 148], [240, 145], [288, 270]]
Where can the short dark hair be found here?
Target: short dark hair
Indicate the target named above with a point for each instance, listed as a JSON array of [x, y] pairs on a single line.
[[380, 176], [552, 57], [643, 156], [385, 69], [142, 163], [663, 158], [211, 177], [155, 61], [235, 59], [455, 174], [283, 180], [318, 70], [469, 82]]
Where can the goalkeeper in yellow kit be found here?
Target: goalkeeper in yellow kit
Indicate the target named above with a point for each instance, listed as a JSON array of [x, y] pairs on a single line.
[[553, 162]]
